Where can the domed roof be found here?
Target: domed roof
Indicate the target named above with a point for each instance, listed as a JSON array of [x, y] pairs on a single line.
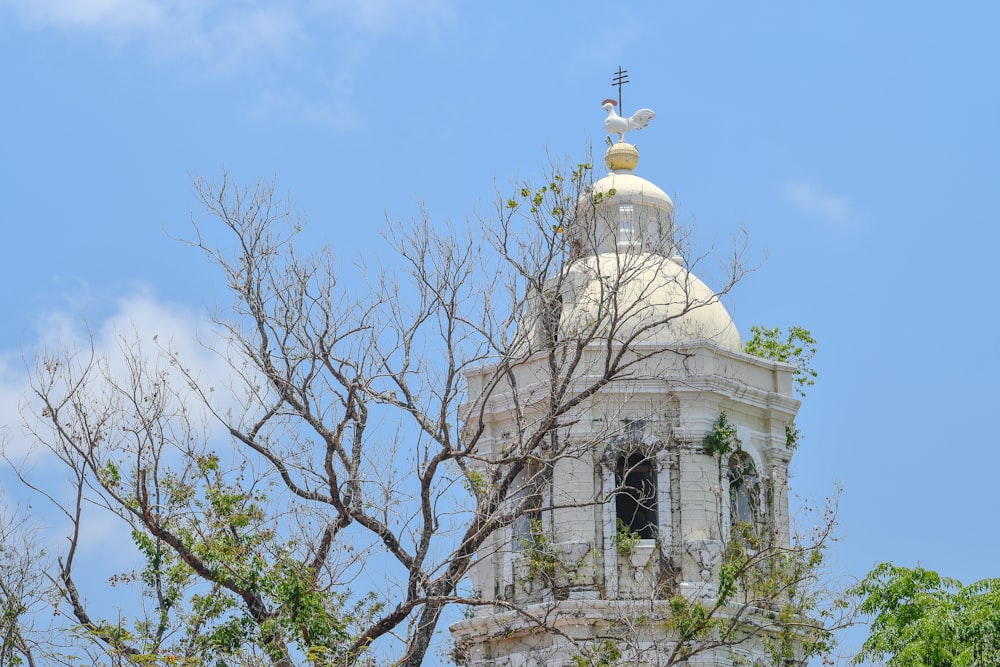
[[643, 298], [622, 211], [626, 185], [625, 281]]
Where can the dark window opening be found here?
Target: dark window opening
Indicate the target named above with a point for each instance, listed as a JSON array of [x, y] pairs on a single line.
[[635, 502]]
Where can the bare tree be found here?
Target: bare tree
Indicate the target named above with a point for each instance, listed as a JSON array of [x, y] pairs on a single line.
[[22, 588], [325, 505]]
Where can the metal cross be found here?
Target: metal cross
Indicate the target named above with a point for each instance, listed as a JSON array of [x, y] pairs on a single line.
[[621, 78]]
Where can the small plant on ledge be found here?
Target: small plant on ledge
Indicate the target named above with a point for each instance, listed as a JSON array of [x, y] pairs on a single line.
[[722, 439], [625, 539]]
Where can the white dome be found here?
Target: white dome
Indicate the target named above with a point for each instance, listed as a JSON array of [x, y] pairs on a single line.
[[624, 211], [627, 184], [624, 282], [644, 298]]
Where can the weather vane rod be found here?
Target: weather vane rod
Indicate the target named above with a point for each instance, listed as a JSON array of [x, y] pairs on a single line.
[[621, 78]]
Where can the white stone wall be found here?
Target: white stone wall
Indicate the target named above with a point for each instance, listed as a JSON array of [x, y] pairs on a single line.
[[680, 392]]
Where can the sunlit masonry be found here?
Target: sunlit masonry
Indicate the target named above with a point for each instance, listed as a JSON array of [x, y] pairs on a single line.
[[643, 512]]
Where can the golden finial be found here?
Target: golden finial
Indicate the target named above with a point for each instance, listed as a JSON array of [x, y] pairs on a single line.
[[621, 156]]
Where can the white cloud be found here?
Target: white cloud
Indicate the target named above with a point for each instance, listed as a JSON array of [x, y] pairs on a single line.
[[223, 30], [814, 201], [215, 32], [312, 46], [139, 327], [108, 14]]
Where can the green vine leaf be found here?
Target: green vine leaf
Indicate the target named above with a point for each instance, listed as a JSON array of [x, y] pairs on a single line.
[[722, 439]]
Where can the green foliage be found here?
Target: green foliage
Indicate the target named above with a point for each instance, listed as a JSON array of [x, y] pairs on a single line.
[[603, 654], [757, 573], [625, 539], [722, 439], [920, 618], [543, 559], [475, 483], [599, 197], [690, 618], [204, 615], [110, 475], [792, 436], [581, 171], [553, 198], [551, 206], [797, 348]]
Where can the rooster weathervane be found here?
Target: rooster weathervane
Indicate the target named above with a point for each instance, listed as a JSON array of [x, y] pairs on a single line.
[[615, 124]]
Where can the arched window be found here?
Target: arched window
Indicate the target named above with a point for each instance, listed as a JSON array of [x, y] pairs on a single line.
[[744, 490], [635, 503]]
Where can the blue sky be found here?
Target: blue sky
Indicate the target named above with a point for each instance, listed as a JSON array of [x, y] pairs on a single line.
[[858, 144]]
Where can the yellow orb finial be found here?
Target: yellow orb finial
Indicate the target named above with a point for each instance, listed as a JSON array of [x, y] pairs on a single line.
[[621, 156]]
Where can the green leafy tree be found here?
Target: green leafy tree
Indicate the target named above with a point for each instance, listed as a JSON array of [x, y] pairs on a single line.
[[796, 347], [921, 619]]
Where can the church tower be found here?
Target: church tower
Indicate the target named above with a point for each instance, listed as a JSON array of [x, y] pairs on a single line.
[[622, 537]]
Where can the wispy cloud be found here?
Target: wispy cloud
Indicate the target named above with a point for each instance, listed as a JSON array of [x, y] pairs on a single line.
[[394, 15], [114, 15], [313, 47], [211, 30], [213, 27], [140, 328], [834, 209]]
